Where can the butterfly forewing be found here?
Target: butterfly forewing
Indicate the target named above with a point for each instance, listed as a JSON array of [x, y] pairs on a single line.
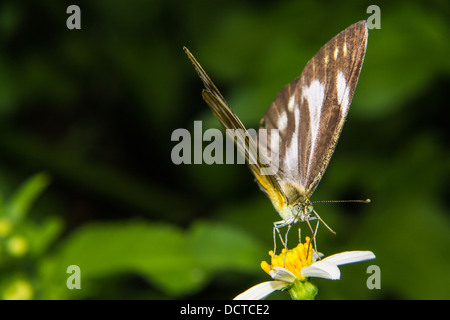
[[310, 111], [244, 142]]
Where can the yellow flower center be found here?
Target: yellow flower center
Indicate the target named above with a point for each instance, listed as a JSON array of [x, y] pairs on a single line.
[[293, 260]]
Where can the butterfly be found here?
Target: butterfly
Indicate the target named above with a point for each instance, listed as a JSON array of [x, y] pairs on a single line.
[[305, 121]]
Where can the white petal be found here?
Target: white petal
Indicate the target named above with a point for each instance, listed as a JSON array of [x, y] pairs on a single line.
[[349, 257], [322, 269], [262, 290], [279, 273]]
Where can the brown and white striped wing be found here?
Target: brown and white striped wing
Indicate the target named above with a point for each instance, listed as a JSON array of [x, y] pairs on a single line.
[[310, 112]]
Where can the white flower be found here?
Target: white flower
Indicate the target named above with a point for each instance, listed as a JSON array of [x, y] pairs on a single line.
[[299, 264]]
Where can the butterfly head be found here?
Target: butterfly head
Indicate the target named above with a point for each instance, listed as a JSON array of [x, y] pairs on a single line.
[[295, 205], [302, 210], [298, 211]]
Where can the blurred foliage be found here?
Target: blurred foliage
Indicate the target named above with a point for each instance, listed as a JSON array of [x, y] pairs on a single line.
[[95, 109]]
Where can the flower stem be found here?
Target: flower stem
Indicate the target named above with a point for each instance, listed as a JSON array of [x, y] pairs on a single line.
[[302, 290]]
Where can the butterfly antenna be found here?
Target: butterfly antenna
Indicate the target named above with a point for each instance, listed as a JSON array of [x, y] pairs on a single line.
[[336, 201]]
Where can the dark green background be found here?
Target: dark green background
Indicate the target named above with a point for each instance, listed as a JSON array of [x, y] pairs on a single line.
[[95, 109]]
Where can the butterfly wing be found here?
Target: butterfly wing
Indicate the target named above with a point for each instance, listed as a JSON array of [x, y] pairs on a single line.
[[244, 142], [310, 111]]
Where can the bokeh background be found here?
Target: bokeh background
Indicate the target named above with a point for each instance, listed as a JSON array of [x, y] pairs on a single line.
[[86, 177]]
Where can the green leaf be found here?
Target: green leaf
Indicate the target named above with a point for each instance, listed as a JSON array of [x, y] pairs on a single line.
[[218, 247], [42, 234], [176, 262], [24, 198]]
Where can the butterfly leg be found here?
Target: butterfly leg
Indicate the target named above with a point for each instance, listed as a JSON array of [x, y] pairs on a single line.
[[275, 240], [314, 233], [319, 218], [276, 229], [285, 242]]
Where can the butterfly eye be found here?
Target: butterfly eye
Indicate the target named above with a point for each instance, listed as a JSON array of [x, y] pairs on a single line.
[[297, 209]]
